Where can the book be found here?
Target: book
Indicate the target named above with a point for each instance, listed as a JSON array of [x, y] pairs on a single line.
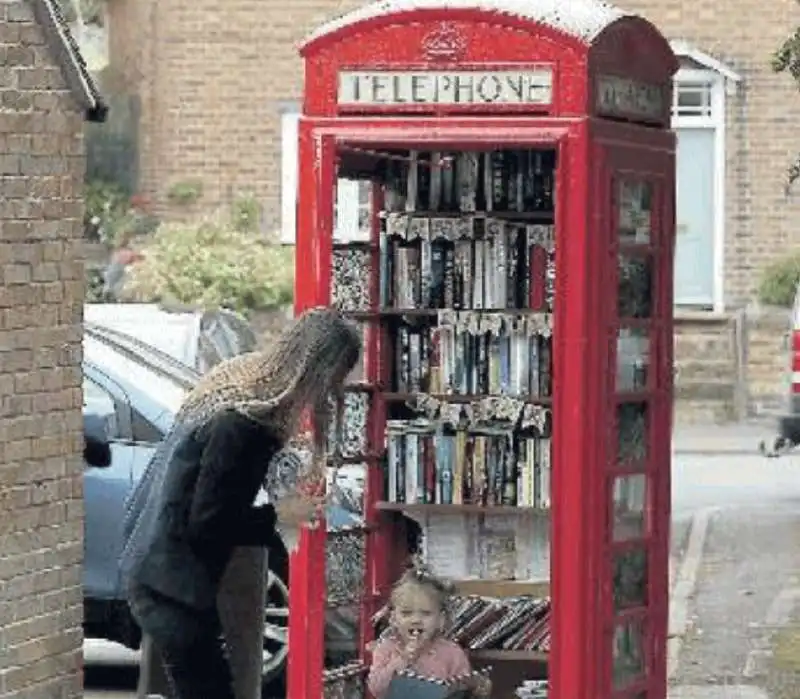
[[506, 268], [411, 685], [433, 466], [472, 354]]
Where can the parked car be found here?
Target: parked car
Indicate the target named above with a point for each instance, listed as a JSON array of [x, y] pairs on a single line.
[[199, 339], [134, 392]]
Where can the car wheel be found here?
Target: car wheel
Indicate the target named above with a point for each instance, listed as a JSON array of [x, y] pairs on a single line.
[[276, 637]]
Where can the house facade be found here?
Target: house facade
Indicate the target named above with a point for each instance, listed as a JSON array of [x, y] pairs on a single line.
[[220, 93], [46, 94]]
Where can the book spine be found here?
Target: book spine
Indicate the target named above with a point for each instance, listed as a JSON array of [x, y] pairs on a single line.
[[534, 383], [510, 491], [412, 467], [436, 182], [483, 342], [546, 468], [538, 277], [423, 202], [450, 273], [412, 183], [446, 483], [459, 445], [429, 471], [392, 448], [436, 296], [513, 262], [469, 470], [416, 361], [545, 366], [400, 468], [494, 364], [426, 272], [525, 476], [478, 275]]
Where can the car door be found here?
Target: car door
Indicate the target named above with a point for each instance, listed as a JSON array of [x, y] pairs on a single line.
[[105, 490]]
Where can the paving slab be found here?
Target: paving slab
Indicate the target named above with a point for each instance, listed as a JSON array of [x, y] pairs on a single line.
[[738, 691]]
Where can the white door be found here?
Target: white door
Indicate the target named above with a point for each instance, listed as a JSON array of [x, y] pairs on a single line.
[[694, 247]]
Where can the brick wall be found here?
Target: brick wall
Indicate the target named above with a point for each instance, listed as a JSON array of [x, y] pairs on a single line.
[[41, 295], [212, 79], [760, 219]]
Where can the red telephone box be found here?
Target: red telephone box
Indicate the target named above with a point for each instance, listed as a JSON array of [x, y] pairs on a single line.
[[505, 118]]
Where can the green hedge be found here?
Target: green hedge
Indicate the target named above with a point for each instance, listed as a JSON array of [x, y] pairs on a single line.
[[215, 262], [779, 281]]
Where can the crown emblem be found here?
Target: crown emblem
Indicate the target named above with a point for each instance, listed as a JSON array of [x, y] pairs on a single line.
[[445, 43]]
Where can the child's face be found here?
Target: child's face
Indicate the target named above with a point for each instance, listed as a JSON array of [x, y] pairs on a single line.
[[417, 614]]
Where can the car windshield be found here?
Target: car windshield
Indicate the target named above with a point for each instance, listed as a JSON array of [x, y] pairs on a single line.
[[165, 391], [172, 333]]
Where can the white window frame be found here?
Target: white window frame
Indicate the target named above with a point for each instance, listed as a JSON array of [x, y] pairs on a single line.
[[723, 82], [348, 204]]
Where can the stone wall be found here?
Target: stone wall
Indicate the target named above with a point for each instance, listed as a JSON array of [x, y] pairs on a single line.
[[767, 358], [706, 360], [731, 366], [41, 305]]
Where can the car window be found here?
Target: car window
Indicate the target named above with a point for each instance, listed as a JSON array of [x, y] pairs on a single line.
[[98, 401], [208, 355], [143, 430], [240, 332]]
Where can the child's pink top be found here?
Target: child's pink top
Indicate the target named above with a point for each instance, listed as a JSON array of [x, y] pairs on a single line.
[[442, 660]]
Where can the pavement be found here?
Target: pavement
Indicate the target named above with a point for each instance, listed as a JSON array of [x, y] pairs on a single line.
[[735, 438], [736, 613]]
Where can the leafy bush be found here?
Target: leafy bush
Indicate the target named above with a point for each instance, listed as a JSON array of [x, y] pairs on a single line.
[[779, 281], [106, 209], [111, 211], [210, 263], [94, 284]]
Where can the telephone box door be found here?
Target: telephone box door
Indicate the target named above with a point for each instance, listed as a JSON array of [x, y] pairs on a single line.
[[635, 190]]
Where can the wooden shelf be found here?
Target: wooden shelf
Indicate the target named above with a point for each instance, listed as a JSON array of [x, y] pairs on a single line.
[[543, 216], [379, 313], [434, 509], [455, 398], [499, 655], [503, 588]]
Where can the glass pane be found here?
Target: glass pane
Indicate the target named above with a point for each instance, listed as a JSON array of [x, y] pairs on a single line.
[[632, 437], [628, 654], [633, 359], [628, 507], [630, 579], [635, 204], [635, 287]]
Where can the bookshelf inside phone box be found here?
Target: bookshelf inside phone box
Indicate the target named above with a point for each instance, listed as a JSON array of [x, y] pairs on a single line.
[[512, 280]]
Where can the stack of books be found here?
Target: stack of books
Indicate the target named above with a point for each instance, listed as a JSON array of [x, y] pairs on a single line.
[[514, 623], [533, 689]]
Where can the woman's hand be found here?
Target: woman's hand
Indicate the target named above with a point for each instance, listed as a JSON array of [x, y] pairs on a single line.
[[294, 510]]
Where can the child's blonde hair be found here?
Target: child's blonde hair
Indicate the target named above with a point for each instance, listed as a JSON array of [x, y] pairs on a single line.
[[421, 578]]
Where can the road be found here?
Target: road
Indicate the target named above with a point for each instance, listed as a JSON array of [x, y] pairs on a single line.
[[745, 566], [746, 584]]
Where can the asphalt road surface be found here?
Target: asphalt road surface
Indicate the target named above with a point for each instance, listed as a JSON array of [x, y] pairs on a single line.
[[748, 578]]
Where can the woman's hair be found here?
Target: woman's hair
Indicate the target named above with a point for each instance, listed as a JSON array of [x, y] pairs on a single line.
[[420, 578], [305, 368]]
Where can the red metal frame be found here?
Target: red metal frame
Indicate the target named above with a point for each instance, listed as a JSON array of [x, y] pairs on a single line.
[[592, 154]]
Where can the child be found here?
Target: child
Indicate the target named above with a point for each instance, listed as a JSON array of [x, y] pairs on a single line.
[[415, 639]]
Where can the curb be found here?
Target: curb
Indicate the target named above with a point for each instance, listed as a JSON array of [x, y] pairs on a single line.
[[685, 586], [718, 452]]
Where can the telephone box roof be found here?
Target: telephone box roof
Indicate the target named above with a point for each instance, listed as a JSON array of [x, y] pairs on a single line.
[[582, 19]]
